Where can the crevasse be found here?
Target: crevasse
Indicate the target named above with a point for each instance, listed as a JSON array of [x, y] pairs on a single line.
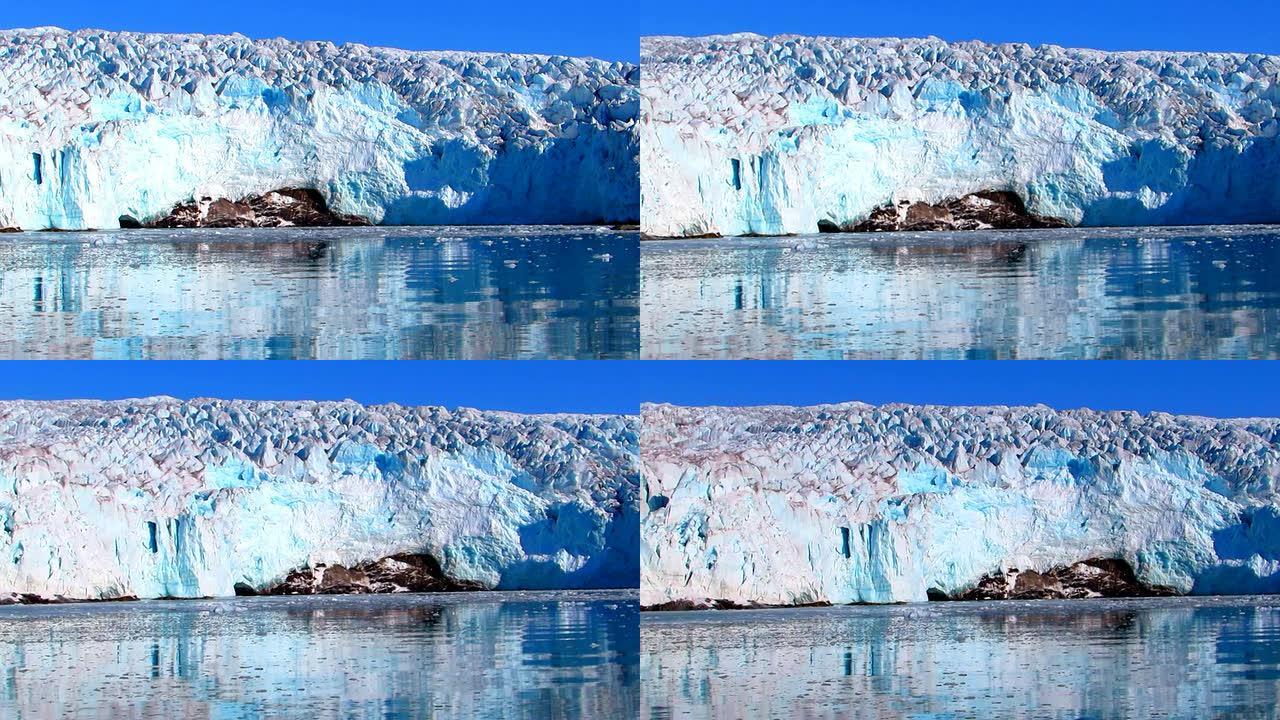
[[168, 498], [95, 125], [857, 503], [744, 134]]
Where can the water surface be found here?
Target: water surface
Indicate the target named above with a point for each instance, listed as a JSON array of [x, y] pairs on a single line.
[[466, 655], [1204, 292], [327, 293], [1167, 658]]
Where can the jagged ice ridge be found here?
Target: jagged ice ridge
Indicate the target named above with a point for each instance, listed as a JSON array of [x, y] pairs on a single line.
[[168, 498], [746, 134], [857, 503], [95, 125]]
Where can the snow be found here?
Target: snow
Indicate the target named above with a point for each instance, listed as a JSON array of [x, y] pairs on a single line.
[[95, 125], [168, 498], [748, 134], [858, 503]]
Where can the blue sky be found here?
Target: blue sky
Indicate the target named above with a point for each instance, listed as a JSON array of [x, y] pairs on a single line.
[[1222, 388], [611, 29]]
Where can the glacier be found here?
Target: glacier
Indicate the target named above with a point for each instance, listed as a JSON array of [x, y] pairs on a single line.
[[96, 125], [743, 134], [854, 503], [168, 498]]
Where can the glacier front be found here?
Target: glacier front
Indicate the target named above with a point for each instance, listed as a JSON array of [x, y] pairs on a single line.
[[854, 503], [168, 498], [743, 134], [99, 126]]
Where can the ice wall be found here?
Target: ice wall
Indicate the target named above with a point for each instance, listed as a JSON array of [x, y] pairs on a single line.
[[161, 497], [95, 125], [747, 134], [856, 503]]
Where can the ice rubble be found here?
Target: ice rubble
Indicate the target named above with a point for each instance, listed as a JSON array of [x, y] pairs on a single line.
[[95, 125], [161, 497], [746, 134], [857, 503]]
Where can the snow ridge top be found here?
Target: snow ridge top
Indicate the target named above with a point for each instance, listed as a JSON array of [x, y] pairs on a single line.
[[1190, 96], [123, 441], [835, 443], [67, 69]]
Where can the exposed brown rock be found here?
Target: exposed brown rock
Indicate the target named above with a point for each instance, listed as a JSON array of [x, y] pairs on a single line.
[[300, 207], [227, 214], [1096, 577], [985, 210], [287, 207], [10, 229], [33, 599], [398, 573], [675, 605]]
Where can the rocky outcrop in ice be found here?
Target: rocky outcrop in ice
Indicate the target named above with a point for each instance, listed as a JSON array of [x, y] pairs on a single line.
[[1096, 577], [1001, 210], [97, 125], [742, 134], [166, 498], [286, 207], [855, 503]]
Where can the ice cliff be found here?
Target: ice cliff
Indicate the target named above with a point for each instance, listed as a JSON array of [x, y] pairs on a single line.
[[745, 134], [97, 125], [856, 503], [161, 497]]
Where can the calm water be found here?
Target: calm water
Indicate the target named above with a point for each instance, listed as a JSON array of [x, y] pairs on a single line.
[[1110, 293], [379, 293], [491, 655], [1167, 658]]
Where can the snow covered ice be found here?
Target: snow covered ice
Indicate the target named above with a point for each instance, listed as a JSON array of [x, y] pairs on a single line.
[[97, 125], [857, 503], [167, 498], [745, 134]]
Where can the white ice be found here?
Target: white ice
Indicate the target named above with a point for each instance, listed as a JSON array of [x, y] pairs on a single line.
[[95, 125], [167, 498], [746, 134], [858, 503]]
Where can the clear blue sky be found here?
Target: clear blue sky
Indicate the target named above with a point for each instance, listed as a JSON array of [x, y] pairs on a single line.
[[1223, 388], [611, 29]]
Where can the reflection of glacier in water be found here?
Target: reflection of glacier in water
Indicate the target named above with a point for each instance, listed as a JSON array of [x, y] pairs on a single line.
[[537, 655], [1096, 293], [393, 293], [1182, 657]]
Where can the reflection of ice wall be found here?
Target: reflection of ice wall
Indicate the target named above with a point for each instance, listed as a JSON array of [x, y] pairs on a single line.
[[161, 497], [746, 134], [94, 125], [855, 503], [561, 655], [1036, 660]]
